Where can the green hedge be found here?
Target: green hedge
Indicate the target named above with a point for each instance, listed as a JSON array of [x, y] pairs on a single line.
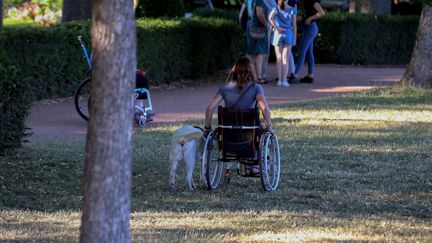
[[15, 102], [366, 39], [171, 50]]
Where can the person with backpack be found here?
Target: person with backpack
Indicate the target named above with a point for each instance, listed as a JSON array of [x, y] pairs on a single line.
[[257, 35]]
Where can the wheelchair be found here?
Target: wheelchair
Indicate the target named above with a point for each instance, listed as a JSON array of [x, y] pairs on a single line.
[[240, 138]]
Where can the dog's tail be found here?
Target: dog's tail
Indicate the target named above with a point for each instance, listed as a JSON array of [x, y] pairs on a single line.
[[190, 136]]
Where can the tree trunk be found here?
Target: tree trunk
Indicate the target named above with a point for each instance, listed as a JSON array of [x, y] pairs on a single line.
[[107, 173], [76, 10], [370, 6], [419, 71]]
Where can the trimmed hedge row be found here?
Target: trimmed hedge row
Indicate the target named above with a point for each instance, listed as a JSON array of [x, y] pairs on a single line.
[[366, 39]]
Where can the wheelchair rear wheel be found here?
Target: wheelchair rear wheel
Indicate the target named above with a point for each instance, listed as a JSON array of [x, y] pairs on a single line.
[[212, 166], [82, 99], [269, 161]]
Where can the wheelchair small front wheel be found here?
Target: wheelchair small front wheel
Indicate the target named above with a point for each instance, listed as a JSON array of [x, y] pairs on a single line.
[[212, 166], [269, 161]]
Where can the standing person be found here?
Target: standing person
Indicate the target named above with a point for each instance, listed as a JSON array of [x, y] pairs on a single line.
[[257, 48], [270, 5], [312, 11], [283, 21]]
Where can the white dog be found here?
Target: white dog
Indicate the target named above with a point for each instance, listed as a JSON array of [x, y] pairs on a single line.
[[187, 143]]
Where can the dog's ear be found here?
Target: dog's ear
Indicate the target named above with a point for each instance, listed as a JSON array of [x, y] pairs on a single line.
[[190, 136]]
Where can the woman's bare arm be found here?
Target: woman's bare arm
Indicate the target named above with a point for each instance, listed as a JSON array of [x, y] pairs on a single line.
[[319, 14], [265, 110], [261, 16], [214, 102]]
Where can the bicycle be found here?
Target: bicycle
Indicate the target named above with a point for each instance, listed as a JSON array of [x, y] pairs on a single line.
[[143, 113]]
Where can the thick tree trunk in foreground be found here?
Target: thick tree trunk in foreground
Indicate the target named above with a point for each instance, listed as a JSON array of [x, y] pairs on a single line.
[[76, 10], [107, 178], [419, 71], [370, 6]]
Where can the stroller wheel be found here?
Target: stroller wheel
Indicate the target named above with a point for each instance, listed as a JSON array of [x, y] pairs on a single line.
[[142, 122], [140, 118]]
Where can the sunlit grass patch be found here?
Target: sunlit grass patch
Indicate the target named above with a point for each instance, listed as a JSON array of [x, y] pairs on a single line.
[[357, 167]]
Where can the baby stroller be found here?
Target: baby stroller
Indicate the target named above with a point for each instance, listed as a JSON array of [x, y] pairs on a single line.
[[143, 105]]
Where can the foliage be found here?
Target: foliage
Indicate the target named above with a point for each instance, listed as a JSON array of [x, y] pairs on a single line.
[[218, 13], [354, 168], [39, 12], [366, 39], [15, 102], [160, 8]]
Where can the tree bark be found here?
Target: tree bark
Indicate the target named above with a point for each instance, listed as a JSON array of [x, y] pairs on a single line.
[[76, 10], [107, 173], [370, 6], [419, 71]]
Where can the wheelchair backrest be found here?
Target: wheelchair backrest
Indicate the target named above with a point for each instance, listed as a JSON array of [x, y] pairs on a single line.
[[239, 132]]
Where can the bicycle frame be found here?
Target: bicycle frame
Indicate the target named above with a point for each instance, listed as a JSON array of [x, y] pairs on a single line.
[[87, 57]]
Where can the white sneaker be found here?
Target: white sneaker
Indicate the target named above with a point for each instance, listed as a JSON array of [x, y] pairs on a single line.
[[279, 83], [285, 84]]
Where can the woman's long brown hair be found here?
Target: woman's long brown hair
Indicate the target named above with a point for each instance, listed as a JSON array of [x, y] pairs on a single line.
[[281, 4], [243, 72]]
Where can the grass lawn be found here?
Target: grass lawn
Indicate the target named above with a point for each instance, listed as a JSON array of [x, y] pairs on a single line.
[[357, 167]]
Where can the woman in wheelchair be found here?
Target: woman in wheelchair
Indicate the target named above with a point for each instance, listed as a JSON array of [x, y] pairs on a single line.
[[239, 118], [240, 92]]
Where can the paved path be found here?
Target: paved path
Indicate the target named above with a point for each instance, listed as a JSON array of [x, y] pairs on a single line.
[[58, 120]]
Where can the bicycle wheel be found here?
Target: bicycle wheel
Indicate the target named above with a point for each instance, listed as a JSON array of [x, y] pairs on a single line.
[[82, 99]]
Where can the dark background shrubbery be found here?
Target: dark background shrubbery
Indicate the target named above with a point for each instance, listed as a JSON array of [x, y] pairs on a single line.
[[366, 39], [159, 8], [15, 103]]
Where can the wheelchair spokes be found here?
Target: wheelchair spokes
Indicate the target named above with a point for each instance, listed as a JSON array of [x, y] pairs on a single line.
[[269, 162], [212, 166]]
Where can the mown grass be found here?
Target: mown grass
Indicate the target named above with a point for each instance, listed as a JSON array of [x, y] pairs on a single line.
[[357, 167]]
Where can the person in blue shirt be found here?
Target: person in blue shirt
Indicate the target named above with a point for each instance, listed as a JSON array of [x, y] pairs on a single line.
[[283, 20]]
